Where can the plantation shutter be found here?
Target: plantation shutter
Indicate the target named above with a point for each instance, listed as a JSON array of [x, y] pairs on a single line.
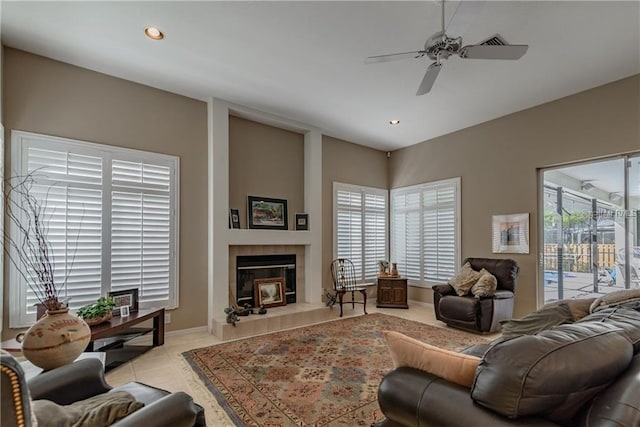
[[405, 232], [361, 227], [141, 230], [439, 233], [111, 216], [424, 231], [375, 233], [68, 187], [349, 227]]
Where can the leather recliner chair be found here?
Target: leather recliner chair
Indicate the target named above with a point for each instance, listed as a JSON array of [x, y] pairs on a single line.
[[84, 379], [479, 314]]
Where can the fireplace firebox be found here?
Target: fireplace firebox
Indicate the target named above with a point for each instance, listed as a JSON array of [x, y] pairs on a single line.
[[252, 267]]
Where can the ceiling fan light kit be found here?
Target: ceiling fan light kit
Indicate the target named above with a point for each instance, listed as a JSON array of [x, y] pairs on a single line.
[[441, 46]]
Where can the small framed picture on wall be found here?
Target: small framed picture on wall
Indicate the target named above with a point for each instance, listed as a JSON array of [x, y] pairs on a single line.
[[234, 218], [302, 221]]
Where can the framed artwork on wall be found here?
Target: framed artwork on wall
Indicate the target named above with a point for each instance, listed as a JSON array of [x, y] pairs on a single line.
[[234, 218], [511, 234], [302, 221], [266, 213]]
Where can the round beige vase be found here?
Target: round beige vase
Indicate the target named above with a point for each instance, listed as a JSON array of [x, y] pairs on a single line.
[[57, 339]]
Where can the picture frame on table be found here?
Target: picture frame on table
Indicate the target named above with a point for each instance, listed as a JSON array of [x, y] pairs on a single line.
[[302, 221], [510, 234], [125, 298], [269, 292], [267, 213], [234, 218]]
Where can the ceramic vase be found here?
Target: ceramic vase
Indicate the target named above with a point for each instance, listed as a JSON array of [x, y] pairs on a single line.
[[394, 269], [56, 339]]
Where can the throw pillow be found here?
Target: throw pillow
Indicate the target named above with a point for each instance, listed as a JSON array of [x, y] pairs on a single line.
[[579, 307], [486, 285], [464, 279], [537, 321], [97, 411], [454, 367], [615, 298]]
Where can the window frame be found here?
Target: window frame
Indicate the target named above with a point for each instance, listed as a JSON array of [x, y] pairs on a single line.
[[21, 141], [420, 188], [337, 186]]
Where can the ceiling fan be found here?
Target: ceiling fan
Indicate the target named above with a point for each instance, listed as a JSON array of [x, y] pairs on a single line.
[[441, 46]]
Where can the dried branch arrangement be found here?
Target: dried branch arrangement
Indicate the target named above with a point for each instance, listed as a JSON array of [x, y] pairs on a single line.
[[29, 249]]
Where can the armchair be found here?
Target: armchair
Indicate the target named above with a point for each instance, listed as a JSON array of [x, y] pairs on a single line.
[[84, 379], [479, 314]]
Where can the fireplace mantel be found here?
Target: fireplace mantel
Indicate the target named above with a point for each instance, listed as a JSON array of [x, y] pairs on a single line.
[[268, 237]]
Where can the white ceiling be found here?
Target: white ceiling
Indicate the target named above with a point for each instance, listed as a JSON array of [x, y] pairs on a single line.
[[305, 60]]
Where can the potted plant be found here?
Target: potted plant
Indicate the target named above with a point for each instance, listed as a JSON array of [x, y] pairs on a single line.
[[383, 265], [98, 312], [58, 337]]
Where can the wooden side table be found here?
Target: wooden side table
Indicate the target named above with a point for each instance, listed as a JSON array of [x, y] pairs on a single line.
[[392, 292]]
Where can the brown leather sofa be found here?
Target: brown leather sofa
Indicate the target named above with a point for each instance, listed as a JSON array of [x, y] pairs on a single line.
[[84, 379], [584, 374], [479, 314]]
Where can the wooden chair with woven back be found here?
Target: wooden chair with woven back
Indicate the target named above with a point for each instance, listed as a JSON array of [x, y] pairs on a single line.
[[344, 280]]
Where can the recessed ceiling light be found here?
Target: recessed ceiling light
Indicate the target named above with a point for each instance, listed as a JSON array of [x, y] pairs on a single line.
[[153, 33], [394, 122]]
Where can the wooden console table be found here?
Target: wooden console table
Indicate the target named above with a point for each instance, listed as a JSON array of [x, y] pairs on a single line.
[[392, 292], [111, 336]]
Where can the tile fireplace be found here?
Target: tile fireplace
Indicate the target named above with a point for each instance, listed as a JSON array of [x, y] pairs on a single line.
[[252, 267]]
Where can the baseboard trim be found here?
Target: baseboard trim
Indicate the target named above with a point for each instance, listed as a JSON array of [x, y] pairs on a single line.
[[187, 331]]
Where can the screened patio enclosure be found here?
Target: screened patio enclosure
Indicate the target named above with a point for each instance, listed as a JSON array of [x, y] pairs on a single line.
[[591, 244]]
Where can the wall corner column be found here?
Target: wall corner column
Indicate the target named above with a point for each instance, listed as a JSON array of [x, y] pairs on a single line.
[[313, 205]]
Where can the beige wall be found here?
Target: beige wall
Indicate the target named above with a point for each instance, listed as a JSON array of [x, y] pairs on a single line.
[[349, 164], [50, 97], [498, 163], [265, 161]]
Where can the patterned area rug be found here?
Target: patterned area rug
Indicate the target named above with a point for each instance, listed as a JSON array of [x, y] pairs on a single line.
[[320, 375]]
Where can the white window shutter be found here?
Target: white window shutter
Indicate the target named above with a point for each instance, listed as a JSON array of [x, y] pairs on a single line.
[[112, 217], [425, 231]]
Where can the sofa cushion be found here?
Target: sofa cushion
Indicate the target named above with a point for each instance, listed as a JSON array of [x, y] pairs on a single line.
[[408, 352], [98, 411], [485, 286], [552, 373], [537, 321], [620, 316], [616, 298], [579, 307], [464, 279]]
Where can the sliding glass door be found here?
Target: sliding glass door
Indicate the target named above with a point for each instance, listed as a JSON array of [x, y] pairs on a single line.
[[590, 228]]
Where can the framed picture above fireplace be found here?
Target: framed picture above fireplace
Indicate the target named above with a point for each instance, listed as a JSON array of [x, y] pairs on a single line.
[[269, 292], [266, 213]]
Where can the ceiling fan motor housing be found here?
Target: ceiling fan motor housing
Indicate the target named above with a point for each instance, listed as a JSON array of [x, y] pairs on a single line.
[[441, 46]]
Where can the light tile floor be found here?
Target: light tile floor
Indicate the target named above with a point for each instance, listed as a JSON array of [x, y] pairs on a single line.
[[164, 366]]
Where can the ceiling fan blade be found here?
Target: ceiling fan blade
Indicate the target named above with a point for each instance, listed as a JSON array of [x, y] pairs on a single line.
[[463, 17], [394, 57], [429, 78], [509, 51]]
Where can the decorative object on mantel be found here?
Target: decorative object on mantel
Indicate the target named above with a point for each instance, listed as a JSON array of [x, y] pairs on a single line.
[[98, 312], [511, 234], [267, 214], [58, 338], [270, 292], [302, 221], [234, 218]]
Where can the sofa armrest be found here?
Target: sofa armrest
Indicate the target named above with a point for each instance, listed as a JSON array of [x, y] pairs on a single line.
[[69, 383], [502, 294], [173, 410], [446, 289], [410, 397]]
